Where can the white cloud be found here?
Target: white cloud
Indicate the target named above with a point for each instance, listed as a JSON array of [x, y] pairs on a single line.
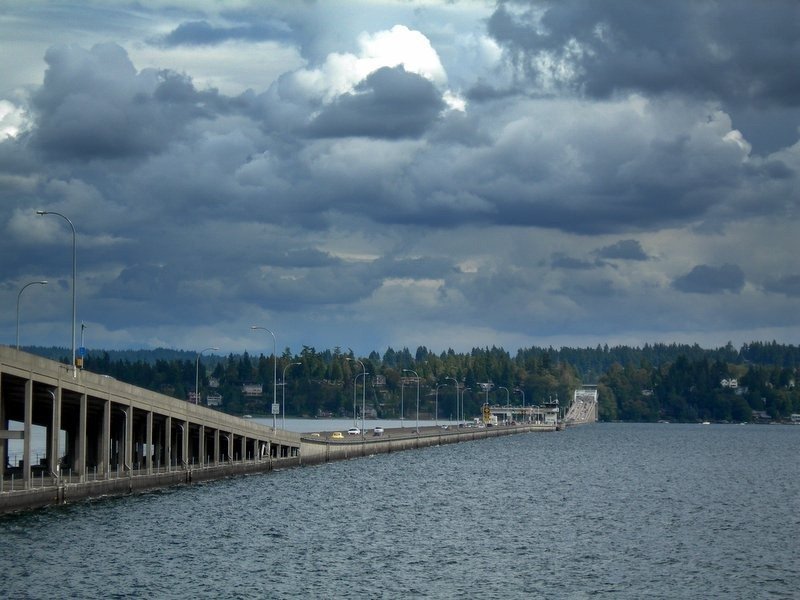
[[389, 48], [231, 67], [13, 120]]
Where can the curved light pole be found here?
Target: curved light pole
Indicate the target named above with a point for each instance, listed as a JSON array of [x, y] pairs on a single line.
[[521, 391], [402, 389], [274, 367], [437, 402], [508, 402], [74, 277], [417, 376], [363, 392], [454, 380], [283, 393], [43, 282], [197, 374]]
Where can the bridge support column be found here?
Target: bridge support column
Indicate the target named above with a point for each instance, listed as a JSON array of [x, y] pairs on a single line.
[[127, 439], [83, 438], [216, 447], [185, 443], [54, 437], [201, 451], [3, 428], [149, 443], [26, 441], [105, 441], [168, 443]]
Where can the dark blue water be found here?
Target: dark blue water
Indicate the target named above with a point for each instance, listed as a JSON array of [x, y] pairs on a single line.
[[610, 510]]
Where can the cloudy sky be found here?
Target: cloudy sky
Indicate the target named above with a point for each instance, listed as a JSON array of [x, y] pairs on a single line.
[[375, 173]]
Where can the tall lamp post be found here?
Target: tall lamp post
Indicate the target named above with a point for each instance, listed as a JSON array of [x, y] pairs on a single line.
[[274, 368], [283, 393], [402, 390], [437, 403], [454, 380], [363, 391], [417, 376], [521, 391], [18, 297], [463, 391], [197, 374], [508, 402], [74, 277]]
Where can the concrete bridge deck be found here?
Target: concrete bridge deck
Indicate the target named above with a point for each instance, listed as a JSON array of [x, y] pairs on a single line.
[[105, 437]]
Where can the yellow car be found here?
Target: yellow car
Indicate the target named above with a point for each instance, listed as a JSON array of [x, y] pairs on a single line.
[[337, 435]]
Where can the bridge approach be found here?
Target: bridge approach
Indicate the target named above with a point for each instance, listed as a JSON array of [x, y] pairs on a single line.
[[108, 438]]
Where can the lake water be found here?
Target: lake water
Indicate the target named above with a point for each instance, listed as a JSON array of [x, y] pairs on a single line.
[[608, 510]]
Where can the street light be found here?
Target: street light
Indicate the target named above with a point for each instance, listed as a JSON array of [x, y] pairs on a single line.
[[417, 376], [508, 402], [521, 391], [454, 380], [463, 391], [437, 401], [402, 390], [283, 392], [274, 368], [363, 392], [18, 297], [197, 374], [74, 277]]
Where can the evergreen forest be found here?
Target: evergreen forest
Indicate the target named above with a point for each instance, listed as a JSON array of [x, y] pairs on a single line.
[[673, 382]]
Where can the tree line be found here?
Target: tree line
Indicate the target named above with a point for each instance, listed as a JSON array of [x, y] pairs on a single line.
[[676, 382]]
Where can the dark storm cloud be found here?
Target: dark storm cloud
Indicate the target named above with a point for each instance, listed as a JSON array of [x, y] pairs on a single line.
[[706, 279], [144, 282], [199, 210], [94, 104], [483, 92], [560, 260], [202, 33], [390, 103], [624, 250], [586, 291], [303, 258], [416, 268], [788, 286], [300, 290], [735, 50]]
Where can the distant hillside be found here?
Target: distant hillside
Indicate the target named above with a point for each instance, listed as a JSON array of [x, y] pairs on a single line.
[[132, 356], [684, 383]]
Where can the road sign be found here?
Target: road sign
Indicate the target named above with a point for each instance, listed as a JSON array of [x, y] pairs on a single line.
[[276, 408]]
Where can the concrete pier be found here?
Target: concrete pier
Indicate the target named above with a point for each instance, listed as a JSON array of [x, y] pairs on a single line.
[[107, 438]]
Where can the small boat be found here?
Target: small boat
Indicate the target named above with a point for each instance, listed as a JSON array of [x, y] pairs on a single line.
[[705, 423]]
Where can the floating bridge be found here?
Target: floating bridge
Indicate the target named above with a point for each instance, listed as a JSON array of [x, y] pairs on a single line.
[[108, 438], [583, 408], [105, 437]]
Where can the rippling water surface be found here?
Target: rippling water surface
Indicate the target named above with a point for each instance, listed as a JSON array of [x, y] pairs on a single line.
[[613, 510]]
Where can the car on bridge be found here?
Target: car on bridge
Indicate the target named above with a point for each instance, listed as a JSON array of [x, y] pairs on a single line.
[[353, 431], [377, 431], [337, 435]]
